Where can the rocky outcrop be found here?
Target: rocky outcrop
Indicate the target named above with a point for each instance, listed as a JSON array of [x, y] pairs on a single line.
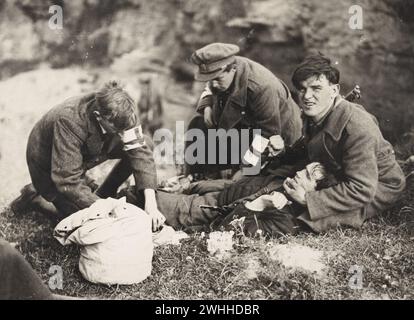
[[380, 57], [277, 33]]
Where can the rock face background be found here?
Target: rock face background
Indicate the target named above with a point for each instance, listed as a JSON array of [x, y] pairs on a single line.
[[277, 33]]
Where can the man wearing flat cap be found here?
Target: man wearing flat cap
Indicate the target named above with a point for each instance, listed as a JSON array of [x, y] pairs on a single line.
[[241, 94]]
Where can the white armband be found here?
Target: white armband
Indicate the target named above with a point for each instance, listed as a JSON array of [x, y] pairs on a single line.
[[132, 134], [133, 146]]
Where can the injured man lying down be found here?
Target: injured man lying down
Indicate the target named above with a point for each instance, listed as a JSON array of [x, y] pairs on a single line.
[[256, 202]]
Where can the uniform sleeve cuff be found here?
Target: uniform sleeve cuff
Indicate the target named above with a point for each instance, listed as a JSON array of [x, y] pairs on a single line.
[[316, 208]]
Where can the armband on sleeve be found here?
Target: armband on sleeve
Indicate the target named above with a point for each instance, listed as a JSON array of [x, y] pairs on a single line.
[[133, 138]]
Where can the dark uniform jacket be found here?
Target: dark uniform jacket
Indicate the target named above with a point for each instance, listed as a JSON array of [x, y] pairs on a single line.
[[66, 142], [265, 100], [351, 146]]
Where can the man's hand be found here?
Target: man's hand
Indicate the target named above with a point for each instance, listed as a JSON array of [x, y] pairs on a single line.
[[157, 217], [208, 117], [276, 145], [295, 191], [274, 200], [151, 208]]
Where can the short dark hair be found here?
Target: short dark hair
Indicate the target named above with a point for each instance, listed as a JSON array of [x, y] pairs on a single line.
[[324, 178], [315, 65], [328, 181], [117, 106]]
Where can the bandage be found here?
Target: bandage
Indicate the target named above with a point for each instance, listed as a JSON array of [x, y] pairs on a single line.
[[258, 146], [277, 142], [251, 158], [260, 143]]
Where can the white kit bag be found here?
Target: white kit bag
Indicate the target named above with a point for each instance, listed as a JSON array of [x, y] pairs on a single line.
[[115, 239]]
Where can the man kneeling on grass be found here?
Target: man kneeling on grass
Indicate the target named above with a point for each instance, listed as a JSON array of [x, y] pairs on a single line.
[[347, 140]]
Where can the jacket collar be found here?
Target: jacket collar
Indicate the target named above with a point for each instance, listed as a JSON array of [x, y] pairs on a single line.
[[237, 100], [338, 119], [93, 125], [239, 93]]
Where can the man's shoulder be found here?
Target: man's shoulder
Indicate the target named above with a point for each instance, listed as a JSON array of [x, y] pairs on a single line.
[[261, 79], [255, 72], [73, 109], [353, 118], [71, 115], [356, 113]]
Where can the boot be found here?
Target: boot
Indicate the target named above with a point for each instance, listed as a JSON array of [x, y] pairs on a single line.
[[30, 200], [24, 202], [40, 204]]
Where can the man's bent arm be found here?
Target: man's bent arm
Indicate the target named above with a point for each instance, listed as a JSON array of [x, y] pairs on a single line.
[[67, 165], [143, 165], [266, 112], [360, 174]]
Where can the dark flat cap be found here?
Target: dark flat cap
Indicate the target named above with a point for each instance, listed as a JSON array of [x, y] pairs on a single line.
[[212, 59]]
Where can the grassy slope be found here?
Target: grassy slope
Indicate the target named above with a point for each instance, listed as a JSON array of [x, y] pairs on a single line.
[[384, 247]]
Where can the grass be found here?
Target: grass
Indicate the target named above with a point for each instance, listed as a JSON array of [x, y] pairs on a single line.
[[384, 248]]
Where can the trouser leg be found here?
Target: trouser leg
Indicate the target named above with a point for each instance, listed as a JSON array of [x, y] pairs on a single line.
[[184, 211], [18, 281], [180, 210], [167, 203], [191, 212], [207, 186]]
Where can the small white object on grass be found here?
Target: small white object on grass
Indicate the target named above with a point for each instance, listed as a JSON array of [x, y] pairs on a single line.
[[220, 242], [298, 257], [167, 235]]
